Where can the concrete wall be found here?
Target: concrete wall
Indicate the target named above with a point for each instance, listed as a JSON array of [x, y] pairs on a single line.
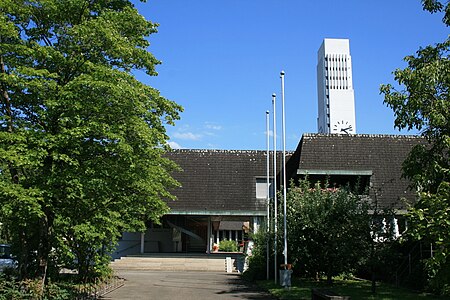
[[156, 240]]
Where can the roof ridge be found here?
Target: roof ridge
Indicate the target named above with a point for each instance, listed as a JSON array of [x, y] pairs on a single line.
[[226, 151], [217, 150], [365, 135]]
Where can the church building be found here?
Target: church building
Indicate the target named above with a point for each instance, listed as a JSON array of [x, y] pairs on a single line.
[[223, 193], [336, 100]]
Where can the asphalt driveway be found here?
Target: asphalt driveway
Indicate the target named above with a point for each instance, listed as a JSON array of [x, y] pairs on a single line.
[[184, 285]]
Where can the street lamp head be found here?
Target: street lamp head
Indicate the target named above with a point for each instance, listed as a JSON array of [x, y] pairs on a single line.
[[274, 95], [282, 73], [267, 112]]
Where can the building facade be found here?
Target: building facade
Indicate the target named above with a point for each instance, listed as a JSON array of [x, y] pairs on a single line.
[[223, 195], [372, 163], [336, 101]]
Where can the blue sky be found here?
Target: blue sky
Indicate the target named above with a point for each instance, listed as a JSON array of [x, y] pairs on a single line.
[[221, 61]]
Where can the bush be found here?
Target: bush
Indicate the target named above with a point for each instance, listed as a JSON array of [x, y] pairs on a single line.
[[328, 229], [13, 289], [257, 268], [10, 289], [228, 246], [438, 275]]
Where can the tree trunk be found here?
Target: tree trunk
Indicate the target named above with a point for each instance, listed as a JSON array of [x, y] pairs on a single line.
[[374, 286], [83, 266], [9, 119], [24, 257], [372, 266], [329, 275], [7, 101], [44, 247]]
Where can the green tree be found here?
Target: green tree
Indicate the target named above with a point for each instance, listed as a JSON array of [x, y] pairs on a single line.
[[328, 229], [81, 139], [430, 221], [421, 101], [257, 262], [435, 6], [382, 258]]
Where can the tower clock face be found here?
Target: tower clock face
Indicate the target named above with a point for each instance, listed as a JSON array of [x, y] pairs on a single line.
[[342, 127]]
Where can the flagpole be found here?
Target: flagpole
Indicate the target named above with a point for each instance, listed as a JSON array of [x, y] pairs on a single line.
[[284, 169], [275, 184], [268, 193]]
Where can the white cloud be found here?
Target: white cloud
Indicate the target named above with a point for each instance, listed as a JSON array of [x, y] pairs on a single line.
[[270, 133], [212, 126], [209, 133], [187, 136], [174, 145], [211, 146]]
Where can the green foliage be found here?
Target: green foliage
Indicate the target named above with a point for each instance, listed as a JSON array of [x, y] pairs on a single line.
[[257, 263], [422, 102], [435, 6], [430, 220], [328, 229], [331, 232], [10, 289], [355, 289], [228, 246], [81, 139], [13, 289]]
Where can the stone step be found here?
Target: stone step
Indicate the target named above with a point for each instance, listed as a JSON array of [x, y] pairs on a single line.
[[199, 263]]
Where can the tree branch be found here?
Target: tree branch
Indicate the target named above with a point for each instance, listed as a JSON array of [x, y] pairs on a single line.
[[7, 100], [8, 113]]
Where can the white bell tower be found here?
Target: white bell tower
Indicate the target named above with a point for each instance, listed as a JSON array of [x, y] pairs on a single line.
[[335, 88]]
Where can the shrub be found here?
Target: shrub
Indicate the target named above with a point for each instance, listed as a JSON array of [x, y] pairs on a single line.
[[257, 268], [13, 289], [228, 246], [10, 289]]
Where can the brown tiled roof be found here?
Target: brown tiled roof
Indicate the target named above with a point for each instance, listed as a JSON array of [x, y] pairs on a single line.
[[218, 182], [381, 154], [223, 182]]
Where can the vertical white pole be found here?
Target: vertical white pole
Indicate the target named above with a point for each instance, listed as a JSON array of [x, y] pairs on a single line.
[[284, 168], [209, 246], [268, 192], [142, 242], [275, 202]]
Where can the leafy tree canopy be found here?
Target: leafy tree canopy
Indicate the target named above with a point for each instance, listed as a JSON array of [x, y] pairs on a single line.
[[435, 6], [81, 140], [422, 101], [328, 229]]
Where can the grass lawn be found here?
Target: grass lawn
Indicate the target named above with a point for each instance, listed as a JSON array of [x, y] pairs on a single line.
[[356, 289]]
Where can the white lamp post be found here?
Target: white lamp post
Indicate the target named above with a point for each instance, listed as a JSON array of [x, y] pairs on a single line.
[[284, 166], [268, 193], [275, 202]]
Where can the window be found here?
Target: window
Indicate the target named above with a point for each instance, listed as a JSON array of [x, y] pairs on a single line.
[[356, 180], [261, 188]]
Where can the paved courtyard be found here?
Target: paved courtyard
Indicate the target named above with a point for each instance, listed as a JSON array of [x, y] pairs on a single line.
[[184, 285]]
